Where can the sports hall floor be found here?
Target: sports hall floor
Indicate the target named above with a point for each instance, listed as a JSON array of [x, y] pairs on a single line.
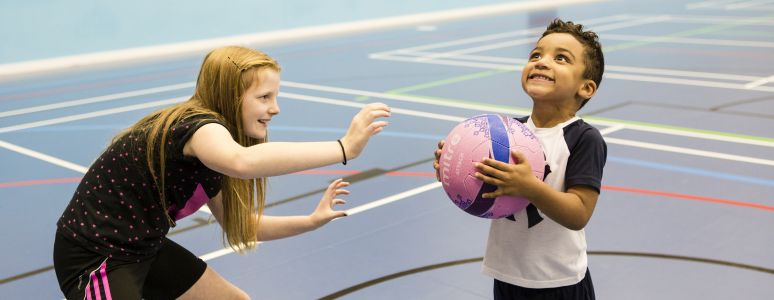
[[686, 107]]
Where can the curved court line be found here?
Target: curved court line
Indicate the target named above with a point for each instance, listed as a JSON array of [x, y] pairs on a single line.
[[372, 282], [418, 190]]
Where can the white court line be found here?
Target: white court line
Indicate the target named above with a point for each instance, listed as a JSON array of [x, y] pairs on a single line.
[[398, 111], [502, 35], [274, 37], [759, 82], [625, 69], [747, 4], [704, 4], [687, 40], [97, 99], [44, 157], [658, 79], [403, 111], [643, 21], [611, 129], [689, 151], [406, 98], [678, 81], [480, 107], [383, 201], [393, 198], [93, 114], [652, 146], [714, 20], [350, 212]]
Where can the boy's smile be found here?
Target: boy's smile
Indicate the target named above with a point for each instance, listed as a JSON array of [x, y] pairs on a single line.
[[555, 68]]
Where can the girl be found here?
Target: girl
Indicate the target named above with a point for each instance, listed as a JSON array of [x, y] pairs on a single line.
[[111, 239]]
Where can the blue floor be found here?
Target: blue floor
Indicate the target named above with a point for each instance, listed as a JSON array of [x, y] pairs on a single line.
[[685, 106]]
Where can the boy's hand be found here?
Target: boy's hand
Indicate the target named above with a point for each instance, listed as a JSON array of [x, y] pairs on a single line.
[[324, 212], [437, 163], [516, 180], [363, 127]]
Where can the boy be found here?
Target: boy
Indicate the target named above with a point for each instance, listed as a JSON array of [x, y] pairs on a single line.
[[540, 252]]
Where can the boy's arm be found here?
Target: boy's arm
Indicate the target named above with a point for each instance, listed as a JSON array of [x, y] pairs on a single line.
[[571, 209]]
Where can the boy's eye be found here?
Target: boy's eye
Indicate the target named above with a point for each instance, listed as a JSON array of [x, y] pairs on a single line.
[[561, 57], [534, 56]]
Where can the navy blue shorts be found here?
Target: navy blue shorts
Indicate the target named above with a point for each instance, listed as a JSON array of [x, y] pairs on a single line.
[[583, 290], [84, 274]]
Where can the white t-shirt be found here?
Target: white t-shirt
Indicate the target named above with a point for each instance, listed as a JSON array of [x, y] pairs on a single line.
[[531, 250]]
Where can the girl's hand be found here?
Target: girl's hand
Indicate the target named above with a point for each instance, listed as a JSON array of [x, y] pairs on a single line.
[[324, 212], [363, 127]]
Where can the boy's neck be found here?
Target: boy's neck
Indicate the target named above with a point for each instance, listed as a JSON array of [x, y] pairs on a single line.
[[547, 116]]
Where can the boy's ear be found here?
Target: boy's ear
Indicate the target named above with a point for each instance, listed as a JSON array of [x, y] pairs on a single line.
[[588, 89]]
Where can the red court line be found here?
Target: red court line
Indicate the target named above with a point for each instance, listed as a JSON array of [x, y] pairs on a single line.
[[687, 197], [39, 182], [431, 174]]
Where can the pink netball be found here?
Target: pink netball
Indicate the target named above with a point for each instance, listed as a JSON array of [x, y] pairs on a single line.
[[492, 136]]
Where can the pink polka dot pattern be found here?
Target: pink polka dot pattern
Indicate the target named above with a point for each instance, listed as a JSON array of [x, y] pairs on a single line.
[[116, 208]]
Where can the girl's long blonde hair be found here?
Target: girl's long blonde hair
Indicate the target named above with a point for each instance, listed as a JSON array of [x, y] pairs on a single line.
[[224, 76]]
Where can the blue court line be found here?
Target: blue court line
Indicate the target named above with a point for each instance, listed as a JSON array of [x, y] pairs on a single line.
[[692, 171], [386, 132], [628, 161]]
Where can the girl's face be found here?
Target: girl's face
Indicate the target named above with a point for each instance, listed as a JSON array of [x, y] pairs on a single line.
[[259, 103]]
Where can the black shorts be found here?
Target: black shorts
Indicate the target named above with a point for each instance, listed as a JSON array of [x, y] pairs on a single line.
[[84, 274], [583, 290]]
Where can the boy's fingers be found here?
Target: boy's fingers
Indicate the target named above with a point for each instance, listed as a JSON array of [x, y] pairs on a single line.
[[518, 155], [490, 170], [494, 163], [487, 179]]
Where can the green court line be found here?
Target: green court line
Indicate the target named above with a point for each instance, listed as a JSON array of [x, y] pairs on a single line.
[[751, 33], [403, 91], [431, 84], [687, 33], [683, 129], [526, 111], [484, 106]]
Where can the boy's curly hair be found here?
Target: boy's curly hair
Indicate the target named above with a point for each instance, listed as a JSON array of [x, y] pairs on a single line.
[[592, 49]]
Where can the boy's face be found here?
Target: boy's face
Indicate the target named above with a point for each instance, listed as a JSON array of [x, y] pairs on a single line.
[[259, 103], [555, 70]]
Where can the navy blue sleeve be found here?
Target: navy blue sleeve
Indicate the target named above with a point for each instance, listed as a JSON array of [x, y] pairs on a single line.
[[588, 154]]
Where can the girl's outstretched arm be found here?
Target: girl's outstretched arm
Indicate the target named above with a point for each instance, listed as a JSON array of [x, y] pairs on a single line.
[[273, 227], [214, 146]]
